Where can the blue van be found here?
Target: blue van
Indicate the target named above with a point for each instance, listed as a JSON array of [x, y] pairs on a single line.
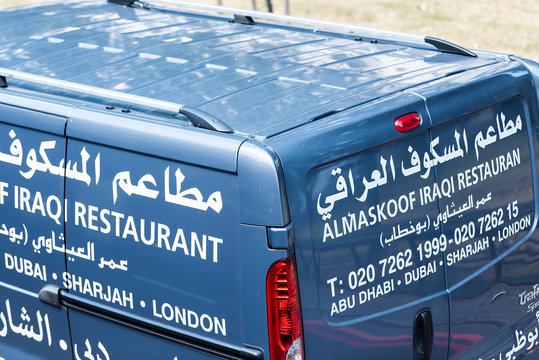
[[185, 182]]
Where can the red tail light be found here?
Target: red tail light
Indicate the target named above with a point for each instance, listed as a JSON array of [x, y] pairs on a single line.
[[284, 314], [408, 122]]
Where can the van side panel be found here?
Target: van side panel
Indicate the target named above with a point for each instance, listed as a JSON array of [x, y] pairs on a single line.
[[32, 159], [154, 238], [113, 341]]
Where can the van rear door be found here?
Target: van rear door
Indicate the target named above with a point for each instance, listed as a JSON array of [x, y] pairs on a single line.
[[489, 218], [365, 290]]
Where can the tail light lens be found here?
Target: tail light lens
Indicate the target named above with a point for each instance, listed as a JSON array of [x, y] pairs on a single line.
[[408, 122], [284, 313]]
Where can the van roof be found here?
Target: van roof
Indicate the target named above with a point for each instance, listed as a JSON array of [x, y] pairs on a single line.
[[260, 79]]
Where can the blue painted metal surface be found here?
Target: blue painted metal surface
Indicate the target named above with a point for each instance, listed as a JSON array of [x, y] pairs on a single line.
[[31, 228], [162, 137], [126, 343], [360, 324], [161, 234], [164, 55], [261, 187], [487, 289], [485, 282]]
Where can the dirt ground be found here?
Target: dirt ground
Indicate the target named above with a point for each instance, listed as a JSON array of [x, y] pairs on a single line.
[[496, 25]]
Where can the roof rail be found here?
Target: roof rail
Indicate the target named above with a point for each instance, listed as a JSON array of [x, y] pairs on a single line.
[[446, 46], [123, 2], [197, 117], [317, 25]]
